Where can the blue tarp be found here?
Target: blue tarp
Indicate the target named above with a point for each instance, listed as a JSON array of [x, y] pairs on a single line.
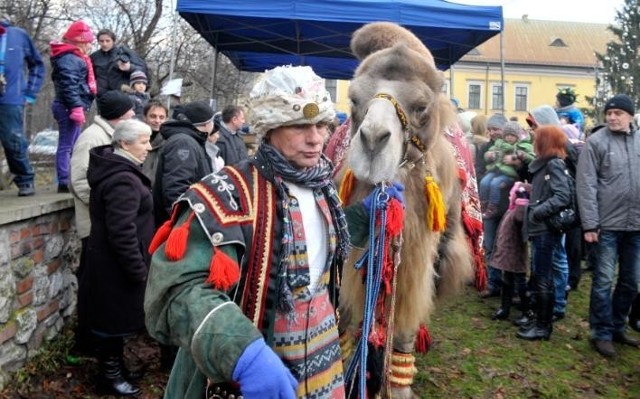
[[261, 34]]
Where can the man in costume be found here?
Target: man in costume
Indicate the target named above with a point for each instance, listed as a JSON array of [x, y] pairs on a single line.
[[243, 276]]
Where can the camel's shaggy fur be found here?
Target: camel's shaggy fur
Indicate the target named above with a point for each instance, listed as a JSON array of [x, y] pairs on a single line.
[[394, 61]]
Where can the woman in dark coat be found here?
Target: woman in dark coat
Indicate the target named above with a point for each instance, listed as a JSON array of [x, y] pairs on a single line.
[[121, 210], [550, 194]]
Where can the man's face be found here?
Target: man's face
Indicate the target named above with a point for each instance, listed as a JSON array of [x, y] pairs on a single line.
[[301, 145], [105, 42], [237, 121], [155, 117], [618, 120]]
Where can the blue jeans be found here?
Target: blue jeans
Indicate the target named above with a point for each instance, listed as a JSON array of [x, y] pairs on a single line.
[[491, 186], [608, 313], [68, 132], [543, 247], [560, 276], [15, 144]]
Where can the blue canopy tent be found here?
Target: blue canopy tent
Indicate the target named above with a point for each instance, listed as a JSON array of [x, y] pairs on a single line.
[[260, 34]]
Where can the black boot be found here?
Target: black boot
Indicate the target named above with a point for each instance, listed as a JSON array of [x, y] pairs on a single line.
[[543, 326], [506, 298], [111, 380], [634, 314], [167, 357], [527, 305]]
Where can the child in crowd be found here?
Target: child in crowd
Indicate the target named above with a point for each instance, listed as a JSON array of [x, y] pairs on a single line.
[[138, 92], [511, 254], [503, 159]]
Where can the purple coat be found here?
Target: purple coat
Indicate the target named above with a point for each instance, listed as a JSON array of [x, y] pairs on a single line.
[[511, 252]]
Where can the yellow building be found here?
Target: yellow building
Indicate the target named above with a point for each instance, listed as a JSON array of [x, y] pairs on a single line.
[[540, 57]]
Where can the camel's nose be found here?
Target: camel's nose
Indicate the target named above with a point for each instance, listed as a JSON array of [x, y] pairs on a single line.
[[373, 140]]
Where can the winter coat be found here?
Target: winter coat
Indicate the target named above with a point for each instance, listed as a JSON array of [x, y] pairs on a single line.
[[550, 193], [20, 51], [104, 60], [139, 100], [232, 148], [182, 162], [151, 161], [121, 230], [97, 134], [510, 253], [521, 149], [608, 181], [69, 74]]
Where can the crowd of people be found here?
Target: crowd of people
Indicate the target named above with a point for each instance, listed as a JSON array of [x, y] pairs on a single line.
[[246, 250]]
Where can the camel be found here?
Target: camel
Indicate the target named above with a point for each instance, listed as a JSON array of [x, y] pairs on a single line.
[[399, 119]]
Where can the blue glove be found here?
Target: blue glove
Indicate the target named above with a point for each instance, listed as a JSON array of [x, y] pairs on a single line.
[[262, 375], [393, 191], [29, 99]]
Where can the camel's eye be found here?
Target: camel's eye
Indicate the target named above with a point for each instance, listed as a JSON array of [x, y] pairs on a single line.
[[354, 101], [418, 109]]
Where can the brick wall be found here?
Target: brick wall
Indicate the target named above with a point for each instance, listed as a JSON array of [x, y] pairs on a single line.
[[39, 252]]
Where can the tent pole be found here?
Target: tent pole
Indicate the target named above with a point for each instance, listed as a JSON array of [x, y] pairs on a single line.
[[214, 72]]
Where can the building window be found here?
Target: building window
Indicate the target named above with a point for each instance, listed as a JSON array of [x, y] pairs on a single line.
[[522, 97], [332, 87], [496, 97], [475, 95]]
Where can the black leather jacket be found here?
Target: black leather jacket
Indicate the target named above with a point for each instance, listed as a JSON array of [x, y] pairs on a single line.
[[550, 192]]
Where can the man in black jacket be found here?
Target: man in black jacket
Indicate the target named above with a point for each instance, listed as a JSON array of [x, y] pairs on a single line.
[[232, 148], [183, 159]]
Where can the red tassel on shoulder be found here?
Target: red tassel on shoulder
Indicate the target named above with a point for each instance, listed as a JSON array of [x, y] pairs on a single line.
[[177, 240], [161, 236], [423, 339], [224, 273]]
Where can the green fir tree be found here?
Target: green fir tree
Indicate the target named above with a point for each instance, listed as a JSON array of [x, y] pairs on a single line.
[[619, 71]]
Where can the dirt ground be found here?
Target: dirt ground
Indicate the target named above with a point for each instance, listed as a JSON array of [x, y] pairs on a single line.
[[75, 377]]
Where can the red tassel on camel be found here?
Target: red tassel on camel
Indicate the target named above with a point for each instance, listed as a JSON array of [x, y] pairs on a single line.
[[161, 236], [223, 271], [423, 339]]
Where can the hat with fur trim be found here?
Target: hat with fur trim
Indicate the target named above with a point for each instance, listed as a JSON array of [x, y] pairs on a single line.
[[79, 32], [288, 95]]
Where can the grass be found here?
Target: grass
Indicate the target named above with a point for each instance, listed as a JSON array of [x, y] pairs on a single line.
[[471, 356]]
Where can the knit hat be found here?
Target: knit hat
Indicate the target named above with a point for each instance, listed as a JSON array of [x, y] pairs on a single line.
[[512, 128], [620, 101], [197, 113], [113, 104], [566, 97], [79, 32], [288, 95], [543, 115], [496, 121], [464, 120], [137, 76]]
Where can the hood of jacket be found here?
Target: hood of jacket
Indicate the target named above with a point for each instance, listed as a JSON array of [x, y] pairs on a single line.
[[173, 127], [103, 163], [60, 48]]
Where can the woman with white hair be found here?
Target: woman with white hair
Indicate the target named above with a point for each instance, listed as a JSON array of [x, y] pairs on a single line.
[[121, 210]]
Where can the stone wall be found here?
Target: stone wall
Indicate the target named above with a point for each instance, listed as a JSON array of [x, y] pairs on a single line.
[[39, 252]]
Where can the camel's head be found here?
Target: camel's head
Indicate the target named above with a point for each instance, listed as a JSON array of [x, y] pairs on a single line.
[[397, 106]]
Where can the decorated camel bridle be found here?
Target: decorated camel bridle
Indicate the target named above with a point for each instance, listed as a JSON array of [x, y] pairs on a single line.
[[409, 136]]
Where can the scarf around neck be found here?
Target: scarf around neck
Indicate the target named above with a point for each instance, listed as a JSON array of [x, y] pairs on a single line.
[[279, 170]]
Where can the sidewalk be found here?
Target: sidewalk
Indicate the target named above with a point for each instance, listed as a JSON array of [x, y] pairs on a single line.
[[14, 208]]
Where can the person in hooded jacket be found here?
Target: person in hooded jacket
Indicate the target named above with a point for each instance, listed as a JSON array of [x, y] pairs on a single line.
[[75, 88], [550, 193], [183, 159], [566, 108], [121, 211]]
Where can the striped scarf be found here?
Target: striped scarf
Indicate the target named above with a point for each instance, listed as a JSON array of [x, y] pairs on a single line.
[[278, 170]]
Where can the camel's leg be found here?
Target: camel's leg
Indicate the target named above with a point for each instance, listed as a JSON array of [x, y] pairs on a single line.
[[402, 366]]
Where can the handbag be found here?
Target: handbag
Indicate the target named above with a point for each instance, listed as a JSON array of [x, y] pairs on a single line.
[[568, 217]]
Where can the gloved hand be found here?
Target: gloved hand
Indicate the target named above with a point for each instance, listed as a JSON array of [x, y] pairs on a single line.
[[29, 97], [262, 375], [77, 115], [393, 191]]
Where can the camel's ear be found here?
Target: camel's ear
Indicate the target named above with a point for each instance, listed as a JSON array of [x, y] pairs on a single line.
[[380, 35]]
